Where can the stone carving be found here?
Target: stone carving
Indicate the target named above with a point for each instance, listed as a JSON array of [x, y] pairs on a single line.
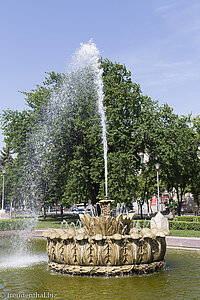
[[106, 245]]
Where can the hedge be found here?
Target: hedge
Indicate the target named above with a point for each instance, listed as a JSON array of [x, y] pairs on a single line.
[[22, 224], [182, 225], [176, 225], [188, 218], [16, 224]]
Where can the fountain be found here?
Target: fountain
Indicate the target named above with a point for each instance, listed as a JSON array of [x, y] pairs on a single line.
[[105, 244]]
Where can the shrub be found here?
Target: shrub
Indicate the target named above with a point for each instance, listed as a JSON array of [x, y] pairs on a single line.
[[188, 218], [16, 224], [175, 225], [182, 225]]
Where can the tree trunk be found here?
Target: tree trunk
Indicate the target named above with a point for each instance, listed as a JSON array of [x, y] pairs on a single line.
[[45, 213], [61, 211], [180, 201], [141, 211], [177, 191]]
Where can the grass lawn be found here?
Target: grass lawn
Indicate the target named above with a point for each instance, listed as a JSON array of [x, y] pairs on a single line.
[[54, 222], [185, 233]]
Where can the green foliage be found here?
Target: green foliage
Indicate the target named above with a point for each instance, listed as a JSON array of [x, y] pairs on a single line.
[[193, 185], [182, 225], [6, 157], [188, 218], [176, 225], [128, 122], [175, 147], [16, 126], [13, 224], [70, 166], [55, 222]]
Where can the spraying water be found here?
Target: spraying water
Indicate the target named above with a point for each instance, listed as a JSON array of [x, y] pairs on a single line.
[[84, 77], [19, 252], [88, 54], [85, 73]]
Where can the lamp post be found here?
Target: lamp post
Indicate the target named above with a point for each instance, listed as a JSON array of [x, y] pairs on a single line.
[[140, 200], [157, 165]]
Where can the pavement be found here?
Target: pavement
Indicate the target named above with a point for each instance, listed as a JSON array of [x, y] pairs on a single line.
[[187, 243]]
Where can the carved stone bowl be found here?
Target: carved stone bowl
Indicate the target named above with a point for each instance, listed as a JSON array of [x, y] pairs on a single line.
[[105, 250]]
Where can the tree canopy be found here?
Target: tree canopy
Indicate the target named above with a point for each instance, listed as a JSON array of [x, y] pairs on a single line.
[[58, 146]]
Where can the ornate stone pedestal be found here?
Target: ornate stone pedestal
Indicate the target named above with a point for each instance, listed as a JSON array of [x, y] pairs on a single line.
[[106, 246], [107, 270]]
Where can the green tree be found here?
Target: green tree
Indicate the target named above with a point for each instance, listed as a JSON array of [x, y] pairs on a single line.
[[68, 160], [6, 157], [18, 127], [6, 162], [174, 145], [129, 119], [194, 185], [59, 149]]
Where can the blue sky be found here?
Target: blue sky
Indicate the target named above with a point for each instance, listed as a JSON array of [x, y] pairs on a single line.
[[158, 41]]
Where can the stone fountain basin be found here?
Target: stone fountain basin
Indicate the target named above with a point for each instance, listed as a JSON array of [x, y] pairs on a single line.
[[76, 252]]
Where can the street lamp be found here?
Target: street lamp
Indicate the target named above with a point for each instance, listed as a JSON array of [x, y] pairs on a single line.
[[157, 165], [3, 173]]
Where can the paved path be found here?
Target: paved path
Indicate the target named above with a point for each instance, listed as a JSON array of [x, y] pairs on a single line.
[[34, 233], [189, 243]]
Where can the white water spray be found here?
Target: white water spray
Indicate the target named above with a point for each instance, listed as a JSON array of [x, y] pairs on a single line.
[[82, 72], [89, 55]]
